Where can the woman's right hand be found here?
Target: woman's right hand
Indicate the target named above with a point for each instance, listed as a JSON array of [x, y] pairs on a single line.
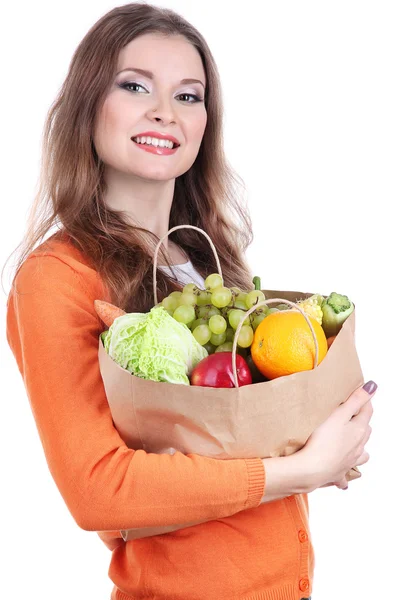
[[337, 445]]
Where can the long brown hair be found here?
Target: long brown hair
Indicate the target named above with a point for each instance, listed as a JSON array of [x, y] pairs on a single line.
[[71, 182]]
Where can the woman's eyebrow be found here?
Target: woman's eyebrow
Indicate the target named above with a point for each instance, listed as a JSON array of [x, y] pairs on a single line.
[[150, 75]]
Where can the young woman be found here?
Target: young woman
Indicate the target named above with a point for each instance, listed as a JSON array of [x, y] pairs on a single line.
[[140, 75]]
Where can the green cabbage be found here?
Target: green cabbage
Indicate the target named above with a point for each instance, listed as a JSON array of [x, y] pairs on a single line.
[[124, 340], [153, 346]]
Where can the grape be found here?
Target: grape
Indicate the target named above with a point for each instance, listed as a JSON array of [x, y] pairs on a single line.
[[240, 300], [246, 336], [197, 322], [240, 304], [272, 310], [235, 316], [203, 311], [213, 281], [236, 290], [217, 324], [176, 294], [213, 310], [209, 347], [184, 314], [224, 312], [257, 319], [254, 297], [218, 338], [203, 298], [226, 347], [230, 334], [202, 334], [208, 311], [190, 288], [283, 307], [170, 303], [187, 298], [221, 296]]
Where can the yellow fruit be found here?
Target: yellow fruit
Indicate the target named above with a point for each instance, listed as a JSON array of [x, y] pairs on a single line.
[[312, 307], [283, 344]]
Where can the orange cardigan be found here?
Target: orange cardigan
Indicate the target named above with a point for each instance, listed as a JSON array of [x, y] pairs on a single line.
[[244, 551]]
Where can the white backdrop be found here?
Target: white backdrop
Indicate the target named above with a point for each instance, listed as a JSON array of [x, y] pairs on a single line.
[[312, 97]]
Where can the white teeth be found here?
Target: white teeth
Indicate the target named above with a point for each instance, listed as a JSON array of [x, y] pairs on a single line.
[[154, 142]]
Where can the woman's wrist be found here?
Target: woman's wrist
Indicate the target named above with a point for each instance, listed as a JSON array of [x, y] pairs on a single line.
[[286, 476]]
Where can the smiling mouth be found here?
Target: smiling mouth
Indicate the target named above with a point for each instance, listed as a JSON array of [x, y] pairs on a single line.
[[152, 145]]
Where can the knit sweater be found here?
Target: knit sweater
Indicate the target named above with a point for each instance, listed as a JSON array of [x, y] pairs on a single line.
[[245, 550]]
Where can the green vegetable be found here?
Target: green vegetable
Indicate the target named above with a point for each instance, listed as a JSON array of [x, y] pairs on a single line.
[[124, 340], [335, 310], [154, 346], [257, 283]]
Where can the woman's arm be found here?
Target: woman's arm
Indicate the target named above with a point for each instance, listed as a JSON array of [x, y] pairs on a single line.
[[53, 329], [285, 476]]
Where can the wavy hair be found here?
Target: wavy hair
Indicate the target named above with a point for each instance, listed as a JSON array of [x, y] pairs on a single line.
[[72, 185]]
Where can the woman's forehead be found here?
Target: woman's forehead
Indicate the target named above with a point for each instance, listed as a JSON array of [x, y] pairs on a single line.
[[162, 55]]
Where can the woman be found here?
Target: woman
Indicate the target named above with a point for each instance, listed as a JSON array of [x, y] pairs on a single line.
[[145, 69]]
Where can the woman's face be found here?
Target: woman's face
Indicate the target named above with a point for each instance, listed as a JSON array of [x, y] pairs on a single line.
[[137, 103]]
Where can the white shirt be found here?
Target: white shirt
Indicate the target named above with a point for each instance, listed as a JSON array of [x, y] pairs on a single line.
[[185, 273]]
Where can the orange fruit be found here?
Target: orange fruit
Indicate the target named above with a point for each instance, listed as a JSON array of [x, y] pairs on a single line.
[[283, 344]]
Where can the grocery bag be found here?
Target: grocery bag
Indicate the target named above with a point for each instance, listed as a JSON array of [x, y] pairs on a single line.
[[267, 419]]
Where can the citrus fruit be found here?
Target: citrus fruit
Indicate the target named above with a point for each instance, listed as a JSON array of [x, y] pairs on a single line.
[[283, 344]]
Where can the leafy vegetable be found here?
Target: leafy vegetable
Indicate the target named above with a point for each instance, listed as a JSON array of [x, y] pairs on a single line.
[[335, 310], [124, 341], [154, 346]]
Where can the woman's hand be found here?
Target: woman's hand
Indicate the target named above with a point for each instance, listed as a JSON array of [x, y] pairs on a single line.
[[337, 445]]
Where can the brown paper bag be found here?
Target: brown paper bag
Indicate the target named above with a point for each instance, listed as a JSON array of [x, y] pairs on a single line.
[[271, 418], [267, 419]]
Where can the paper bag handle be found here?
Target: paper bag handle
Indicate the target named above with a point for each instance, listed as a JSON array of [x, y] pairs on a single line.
[[159, 244], [253, 308]]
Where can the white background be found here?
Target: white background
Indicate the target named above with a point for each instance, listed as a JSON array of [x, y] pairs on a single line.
[[311, 96]]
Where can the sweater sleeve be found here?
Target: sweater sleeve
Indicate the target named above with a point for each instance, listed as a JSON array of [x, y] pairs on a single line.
[[52, 330]]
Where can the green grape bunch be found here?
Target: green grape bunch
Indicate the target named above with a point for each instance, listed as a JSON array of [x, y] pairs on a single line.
[[214, 313]]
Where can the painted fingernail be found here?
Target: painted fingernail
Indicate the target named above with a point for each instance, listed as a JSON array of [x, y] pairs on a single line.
[[370, 387]]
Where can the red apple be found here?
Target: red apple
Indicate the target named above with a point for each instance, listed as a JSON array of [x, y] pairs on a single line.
[[215, 370]]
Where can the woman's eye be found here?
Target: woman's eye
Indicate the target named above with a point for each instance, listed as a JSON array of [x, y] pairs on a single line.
[[196, 98], [126, 85]]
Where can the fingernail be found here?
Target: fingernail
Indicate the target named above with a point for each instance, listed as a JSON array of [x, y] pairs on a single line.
[[370, 387]]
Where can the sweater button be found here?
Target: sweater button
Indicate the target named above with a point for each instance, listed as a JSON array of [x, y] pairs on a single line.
[[303, 537], [304, 584]]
